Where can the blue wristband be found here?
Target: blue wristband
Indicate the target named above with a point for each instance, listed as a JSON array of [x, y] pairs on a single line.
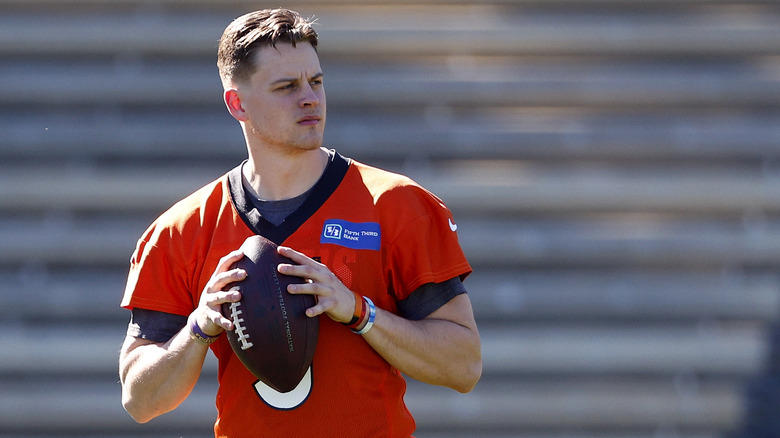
[[371, 317]]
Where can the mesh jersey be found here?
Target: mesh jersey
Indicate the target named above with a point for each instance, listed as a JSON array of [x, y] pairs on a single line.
[[380, 233]]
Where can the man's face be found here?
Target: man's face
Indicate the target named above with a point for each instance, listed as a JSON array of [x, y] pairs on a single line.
[[284, 100]]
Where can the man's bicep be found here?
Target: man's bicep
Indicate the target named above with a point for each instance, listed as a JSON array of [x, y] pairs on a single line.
[[457, 310], [131, 343]]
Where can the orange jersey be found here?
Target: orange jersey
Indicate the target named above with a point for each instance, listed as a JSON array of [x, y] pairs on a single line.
[[380, 233]]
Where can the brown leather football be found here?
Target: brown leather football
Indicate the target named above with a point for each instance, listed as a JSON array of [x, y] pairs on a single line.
[[273, 337]]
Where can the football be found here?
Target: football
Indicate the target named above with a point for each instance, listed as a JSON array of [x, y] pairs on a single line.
[[272, 336]]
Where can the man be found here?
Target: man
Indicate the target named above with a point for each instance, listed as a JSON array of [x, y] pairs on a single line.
[[297, 194]]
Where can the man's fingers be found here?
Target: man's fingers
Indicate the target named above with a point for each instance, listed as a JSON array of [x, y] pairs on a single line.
[[297, 270], [224, 278], [295, 256], [217, 298], [208, 314], [223, 275], [333, 298], [223, 322], [225, 262], [316, 310], [213, 309]]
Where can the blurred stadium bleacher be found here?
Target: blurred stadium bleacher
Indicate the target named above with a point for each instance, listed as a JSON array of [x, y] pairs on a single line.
[[614, 167]]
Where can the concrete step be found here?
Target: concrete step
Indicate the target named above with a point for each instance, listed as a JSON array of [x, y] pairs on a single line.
[[569, 404], [208, 133], [627, 243], [623, 295], [574, 404], [482, 82], [475, 187], [389, 30], [498, 296], [510, 349]]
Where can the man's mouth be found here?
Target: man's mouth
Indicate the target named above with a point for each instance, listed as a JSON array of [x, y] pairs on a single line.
[[309, 120]]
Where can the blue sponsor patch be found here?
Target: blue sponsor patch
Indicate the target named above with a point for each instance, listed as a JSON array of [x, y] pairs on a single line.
[[364, 235]]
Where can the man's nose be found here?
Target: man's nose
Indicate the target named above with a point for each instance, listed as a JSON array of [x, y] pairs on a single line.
[[309, 97]]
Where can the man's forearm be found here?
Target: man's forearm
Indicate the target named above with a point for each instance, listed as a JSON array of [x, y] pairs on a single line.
[[443, 349], [157, 377]]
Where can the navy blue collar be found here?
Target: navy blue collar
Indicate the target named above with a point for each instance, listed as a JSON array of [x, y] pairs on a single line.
[[328, 183]]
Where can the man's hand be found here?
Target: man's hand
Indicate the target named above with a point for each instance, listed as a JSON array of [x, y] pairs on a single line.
[[333, 298], [157, 376], [208, 314], [441, 349]]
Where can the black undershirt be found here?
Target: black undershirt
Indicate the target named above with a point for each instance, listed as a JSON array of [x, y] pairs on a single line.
[[276, 212]]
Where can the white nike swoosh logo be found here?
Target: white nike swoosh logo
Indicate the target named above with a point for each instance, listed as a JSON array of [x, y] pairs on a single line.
[[453, 227]]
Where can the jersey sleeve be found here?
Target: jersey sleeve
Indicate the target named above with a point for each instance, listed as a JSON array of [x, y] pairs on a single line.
[[158, 278], [423, 246], [172, 254]]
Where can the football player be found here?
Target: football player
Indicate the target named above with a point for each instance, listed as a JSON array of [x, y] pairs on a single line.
[[380, 253]]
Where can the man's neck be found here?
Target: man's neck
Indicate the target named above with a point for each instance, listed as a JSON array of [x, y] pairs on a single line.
[[274, 177]]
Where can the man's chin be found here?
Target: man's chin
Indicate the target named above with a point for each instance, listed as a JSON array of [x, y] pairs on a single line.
[[307, 146], [310, 143]]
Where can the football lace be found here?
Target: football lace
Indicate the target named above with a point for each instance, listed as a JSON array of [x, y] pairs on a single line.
[[235, 315]]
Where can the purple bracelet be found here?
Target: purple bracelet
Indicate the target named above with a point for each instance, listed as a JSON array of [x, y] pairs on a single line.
[[197, 334]]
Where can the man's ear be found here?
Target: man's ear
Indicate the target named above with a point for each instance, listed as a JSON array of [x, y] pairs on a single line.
[[233, 103]]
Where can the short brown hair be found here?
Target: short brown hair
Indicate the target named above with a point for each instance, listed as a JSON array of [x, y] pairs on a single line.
[[250, 32]]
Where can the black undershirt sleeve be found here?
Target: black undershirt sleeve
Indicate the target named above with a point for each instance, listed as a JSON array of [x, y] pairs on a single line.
[[429, 297], [153, 325], [160, 326]]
